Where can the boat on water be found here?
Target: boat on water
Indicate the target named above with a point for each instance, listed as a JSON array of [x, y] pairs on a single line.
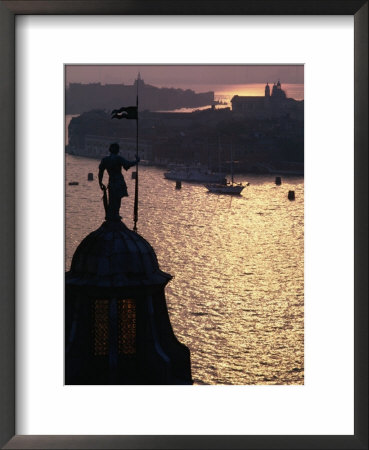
[[229, 187], [194, 174]]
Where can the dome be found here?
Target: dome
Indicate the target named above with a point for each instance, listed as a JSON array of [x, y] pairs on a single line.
[[116, 258]]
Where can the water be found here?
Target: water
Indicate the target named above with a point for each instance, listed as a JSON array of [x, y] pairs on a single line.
[[237, 297]]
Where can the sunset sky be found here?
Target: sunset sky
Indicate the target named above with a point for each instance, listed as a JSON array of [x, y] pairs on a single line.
[[186, 76]]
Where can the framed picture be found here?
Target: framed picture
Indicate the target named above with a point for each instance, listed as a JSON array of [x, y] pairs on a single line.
[[210, 156], [198, 418]]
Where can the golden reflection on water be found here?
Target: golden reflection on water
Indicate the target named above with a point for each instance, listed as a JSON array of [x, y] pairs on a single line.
[[237, 297]]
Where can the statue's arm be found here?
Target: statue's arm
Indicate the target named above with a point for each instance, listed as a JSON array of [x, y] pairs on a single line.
[[127, 164]]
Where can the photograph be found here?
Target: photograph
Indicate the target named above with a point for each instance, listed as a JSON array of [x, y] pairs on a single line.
[[184, 224], [183, 237]]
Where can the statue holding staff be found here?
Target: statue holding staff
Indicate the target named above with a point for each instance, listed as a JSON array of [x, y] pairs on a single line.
[[117, 186]]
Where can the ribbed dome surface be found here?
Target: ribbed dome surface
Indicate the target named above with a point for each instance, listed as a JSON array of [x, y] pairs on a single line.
[[114, 256]]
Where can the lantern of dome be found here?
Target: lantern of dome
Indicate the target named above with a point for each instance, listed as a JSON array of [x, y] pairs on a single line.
[[117, 327]]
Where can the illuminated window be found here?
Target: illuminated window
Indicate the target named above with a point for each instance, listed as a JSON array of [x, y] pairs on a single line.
[[127, 327], [126, 309]]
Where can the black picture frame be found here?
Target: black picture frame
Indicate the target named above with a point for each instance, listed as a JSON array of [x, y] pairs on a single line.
[[8, 11]]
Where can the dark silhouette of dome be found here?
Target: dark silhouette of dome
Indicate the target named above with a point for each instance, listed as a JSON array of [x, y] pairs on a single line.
[[115, 257], [117, 325]]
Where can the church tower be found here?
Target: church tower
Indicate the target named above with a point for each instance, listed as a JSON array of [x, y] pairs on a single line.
[[267, 90], [139, 81]]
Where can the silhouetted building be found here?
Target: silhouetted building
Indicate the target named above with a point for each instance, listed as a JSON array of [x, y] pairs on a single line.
[[267, 90], [117, 327], [80, 97], [277, 92], [275, 104], [96, 147]]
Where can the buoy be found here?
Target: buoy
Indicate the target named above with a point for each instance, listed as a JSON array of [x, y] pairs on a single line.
[[291, 195], [178, 184], [73, 183], [134, 174], [90, 176], [278, 181]]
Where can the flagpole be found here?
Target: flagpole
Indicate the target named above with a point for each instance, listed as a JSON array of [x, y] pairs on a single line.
[[135, 209]]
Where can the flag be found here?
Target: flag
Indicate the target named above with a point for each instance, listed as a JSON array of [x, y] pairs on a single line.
[[130, 112]]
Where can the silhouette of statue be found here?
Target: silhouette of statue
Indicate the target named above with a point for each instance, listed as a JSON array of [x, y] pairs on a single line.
[[117, 186]]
